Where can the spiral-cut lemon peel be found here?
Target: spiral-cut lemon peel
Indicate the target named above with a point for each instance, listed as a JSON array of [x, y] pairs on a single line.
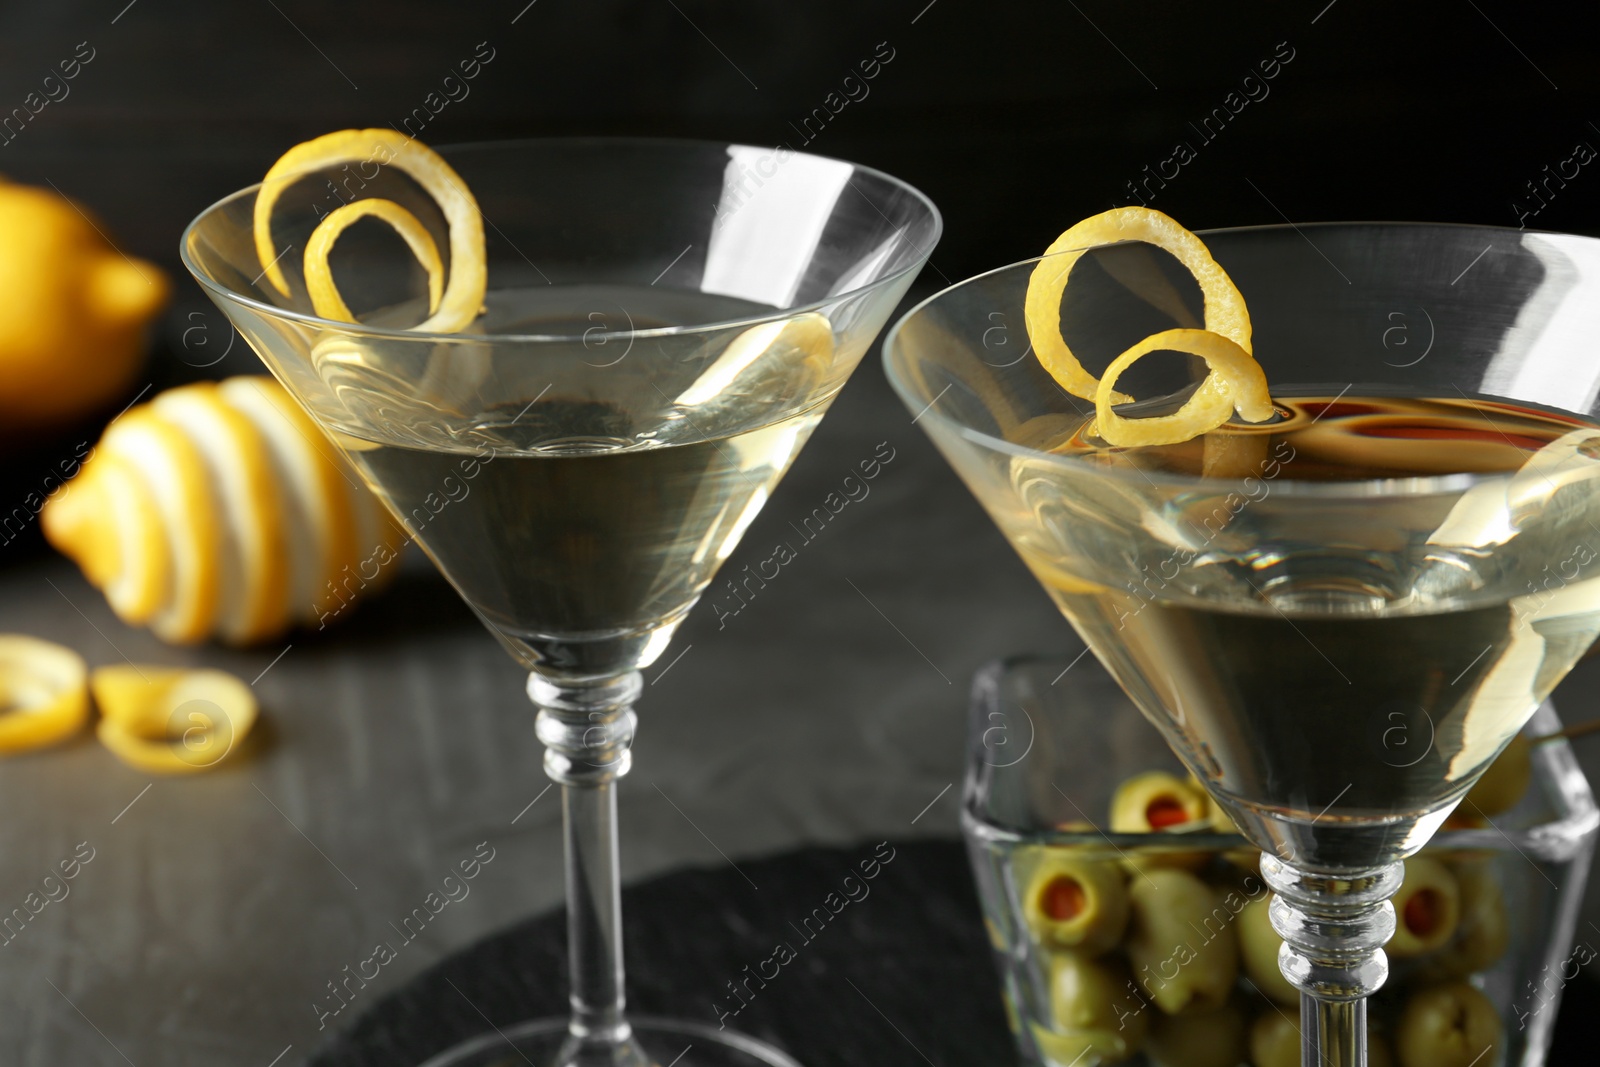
[[175, 470], [253, 600], [44, 688], [220, 510], [1235, 382], [166, 721], [463, 294], [326, 299]]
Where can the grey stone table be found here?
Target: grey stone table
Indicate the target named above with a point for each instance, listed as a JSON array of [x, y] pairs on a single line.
[[215, 910]]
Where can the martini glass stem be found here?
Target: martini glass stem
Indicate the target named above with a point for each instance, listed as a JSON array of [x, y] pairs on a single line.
[[587, 727], [1334, 926], [1333, 1032]]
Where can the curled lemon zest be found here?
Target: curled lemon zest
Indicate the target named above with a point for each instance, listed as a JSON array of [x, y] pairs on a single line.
[[166, 721], [46, 687], [463, 295], [1234, 381], [324, 291], [1225, 311]]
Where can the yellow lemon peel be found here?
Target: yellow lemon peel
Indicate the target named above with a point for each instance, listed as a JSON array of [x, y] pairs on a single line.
[[45, 687], [220, 510], [463, 295], [253, 599], [175, 470], [325, 297], [166, 721], [1234, 381]]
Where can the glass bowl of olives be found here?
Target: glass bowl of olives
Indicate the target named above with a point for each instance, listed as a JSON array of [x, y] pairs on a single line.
[[1129, 920]]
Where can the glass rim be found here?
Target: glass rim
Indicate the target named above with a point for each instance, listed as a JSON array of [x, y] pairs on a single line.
[[217, 289], [1360, 488]]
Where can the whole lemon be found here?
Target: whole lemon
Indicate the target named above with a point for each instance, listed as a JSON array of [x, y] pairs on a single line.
[[73, 311]]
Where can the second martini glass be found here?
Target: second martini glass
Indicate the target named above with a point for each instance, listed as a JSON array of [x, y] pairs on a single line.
[[1340, 617], [665, 325]]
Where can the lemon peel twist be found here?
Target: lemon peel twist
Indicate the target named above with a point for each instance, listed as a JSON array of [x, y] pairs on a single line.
[[325, 297], [47, 687], [168, 721], [1234, 382], [463, 294]]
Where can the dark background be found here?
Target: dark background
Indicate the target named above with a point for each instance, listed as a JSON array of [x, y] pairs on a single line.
[[1017, 119]]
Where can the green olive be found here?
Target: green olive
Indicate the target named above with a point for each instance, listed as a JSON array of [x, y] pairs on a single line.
[[1258, 952], [1079, 1048], [1484, 930], [1275, 1040], [1094, 999], [1447, 1025], [1185, 955], [1211, 1039], [1076, 902], [1157, 802], [1219, 819], [1427, 909], [1506, 779]]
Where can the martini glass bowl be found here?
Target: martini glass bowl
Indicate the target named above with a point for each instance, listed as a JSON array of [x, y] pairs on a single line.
[[1337, 619], [666, 322]]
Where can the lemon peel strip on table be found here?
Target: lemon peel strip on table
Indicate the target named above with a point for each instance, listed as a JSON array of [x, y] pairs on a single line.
[[46, 687], [468, 282], [1234, 381], [1225, 311], [167, 721], [324, 291]]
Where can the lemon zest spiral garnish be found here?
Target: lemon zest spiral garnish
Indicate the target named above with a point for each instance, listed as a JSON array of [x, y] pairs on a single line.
[[463, 295], [1234, 383], [325, 297]]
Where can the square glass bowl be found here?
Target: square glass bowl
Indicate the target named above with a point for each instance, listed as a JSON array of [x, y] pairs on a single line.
[[1154, 947]]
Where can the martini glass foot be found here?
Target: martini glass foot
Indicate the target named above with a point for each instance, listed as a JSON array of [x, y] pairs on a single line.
[[665, 1043]]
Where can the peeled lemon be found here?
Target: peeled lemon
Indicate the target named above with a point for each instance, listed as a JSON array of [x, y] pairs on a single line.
[[73, 311], [220, 510]]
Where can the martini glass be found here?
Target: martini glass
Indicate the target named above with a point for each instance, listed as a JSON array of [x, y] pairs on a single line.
[[1337, 619], [665, 325]]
